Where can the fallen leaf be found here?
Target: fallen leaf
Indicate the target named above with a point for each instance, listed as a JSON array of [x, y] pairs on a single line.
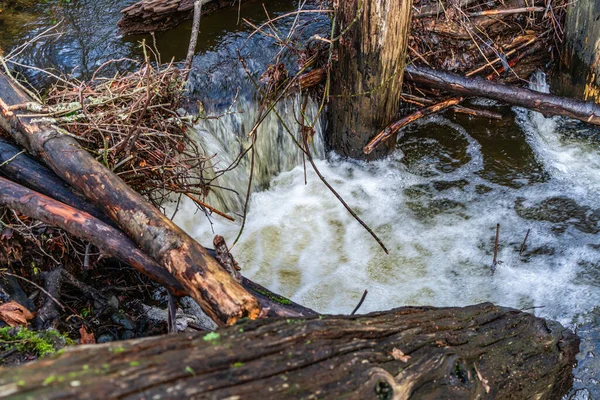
[[86, 337], [15, 314], [399, 355]]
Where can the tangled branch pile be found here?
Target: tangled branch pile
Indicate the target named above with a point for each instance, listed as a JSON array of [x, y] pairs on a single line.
[[473, 37], [131, 123]]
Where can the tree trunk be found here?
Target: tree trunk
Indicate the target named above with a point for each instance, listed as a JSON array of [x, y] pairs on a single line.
[[480, 351], [220, 296], [580, 61], [544, 103], [366, 82]]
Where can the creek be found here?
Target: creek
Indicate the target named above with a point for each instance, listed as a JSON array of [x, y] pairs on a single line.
[[435, 202]]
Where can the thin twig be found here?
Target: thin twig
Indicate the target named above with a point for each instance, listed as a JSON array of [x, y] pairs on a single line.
[[362, 299]]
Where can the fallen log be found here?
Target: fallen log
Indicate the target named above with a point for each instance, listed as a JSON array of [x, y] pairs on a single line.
[[546, 104], [220, 296], [159, 15], [23, 169], [115, 243], [480, 351]]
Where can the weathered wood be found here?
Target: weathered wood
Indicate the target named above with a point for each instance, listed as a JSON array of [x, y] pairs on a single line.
[[219, 295], [366, 82], [476, 352], [158, 15], [580, 61], [546, 104], [120, 246], [23, 169], [114, 243]]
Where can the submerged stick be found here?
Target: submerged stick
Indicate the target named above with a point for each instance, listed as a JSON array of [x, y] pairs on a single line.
[[362, 299]]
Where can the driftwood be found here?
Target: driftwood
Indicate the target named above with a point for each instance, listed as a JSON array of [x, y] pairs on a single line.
[[544, 103], [480, 351], [23, 169], [115, 243], [219, 295], [393, 128]]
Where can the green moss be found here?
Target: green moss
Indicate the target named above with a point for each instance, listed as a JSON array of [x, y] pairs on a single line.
[[190, 370], [134, 363], [238, 364], [276, 298], [209, 337], [117, 350], [25, 340]]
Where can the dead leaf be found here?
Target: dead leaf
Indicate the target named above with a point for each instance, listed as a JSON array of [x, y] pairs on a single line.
[[399, 355], [86, 337], [15, 314]]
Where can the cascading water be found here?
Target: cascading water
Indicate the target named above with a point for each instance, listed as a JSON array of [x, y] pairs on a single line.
[[436, 207], [226, 138]]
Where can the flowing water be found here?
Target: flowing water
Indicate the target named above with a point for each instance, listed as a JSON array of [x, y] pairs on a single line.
[[435, 202]]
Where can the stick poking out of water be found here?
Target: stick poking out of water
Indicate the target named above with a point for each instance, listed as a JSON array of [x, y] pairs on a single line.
[[362, 299], [495, 261], [524, 242]]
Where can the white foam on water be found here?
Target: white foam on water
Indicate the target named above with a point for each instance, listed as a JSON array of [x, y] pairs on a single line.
[[574, 162], [301, 242]]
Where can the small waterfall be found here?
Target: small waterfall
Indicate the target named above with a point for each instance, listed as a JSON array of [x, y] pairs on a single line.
[[226, 138], [568, 149]]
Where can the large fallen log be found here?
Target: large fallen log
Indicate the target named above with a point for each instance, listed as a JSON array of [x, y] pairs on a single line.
[[546, 104], [480, 351], [219, 295]]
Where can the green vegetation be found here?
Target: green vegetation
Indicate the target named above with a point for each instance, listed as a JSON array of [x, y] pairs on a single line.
[[274, 297], [28, 341]]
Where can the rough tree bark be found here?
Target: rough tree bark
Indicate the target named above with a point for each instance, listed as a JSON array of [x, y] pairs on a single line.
[[219, 295], [366, 82], [580, 62], [480, 351]]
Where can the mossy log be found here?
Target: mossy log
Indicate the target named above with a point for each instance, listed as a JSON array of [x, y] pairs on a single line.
[[220, 296], [476, 352]]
